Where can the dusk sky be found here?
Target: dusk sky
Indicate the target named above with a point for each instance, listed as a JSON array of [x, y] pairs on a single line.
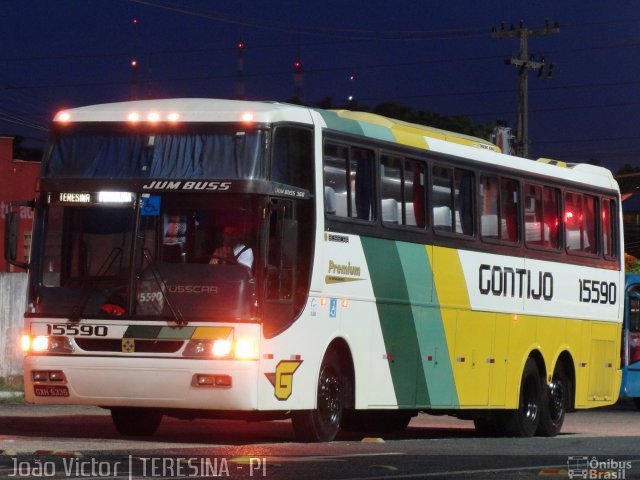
[[429, 55]]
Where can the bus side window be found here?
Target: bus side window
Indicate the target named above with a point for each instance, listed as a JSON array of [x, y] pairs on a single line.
[[580, 223], [362, 183], [335, 179], [509, 201], [608, 215], [489, 219]]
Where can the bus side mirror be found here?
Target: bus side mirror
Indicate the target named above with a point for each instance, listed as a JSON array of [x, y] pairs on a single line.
[[11, 235]]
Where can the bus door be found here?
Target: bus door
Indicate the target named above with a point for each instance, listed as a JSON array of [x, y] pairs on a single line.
[[280, 272]]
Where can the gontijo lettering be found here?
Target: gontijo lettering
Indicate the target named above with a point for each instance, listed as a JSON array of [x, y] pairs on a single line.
[[514, 282]]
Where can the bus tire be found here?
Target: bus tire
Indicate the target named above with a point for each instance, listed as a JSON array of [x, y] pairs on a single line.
[[636, 400], [524, 421], [136, 421], [322, 423], [554, 404]]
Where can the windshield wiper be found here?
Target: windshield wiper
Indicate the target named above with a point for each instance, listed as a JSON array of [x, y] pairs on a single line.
[[164, 289]]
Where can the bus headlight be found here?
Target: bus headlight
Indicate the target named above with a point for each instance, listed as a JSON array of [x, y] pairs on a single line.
[[221, 348], [42, 343], [246, 349]]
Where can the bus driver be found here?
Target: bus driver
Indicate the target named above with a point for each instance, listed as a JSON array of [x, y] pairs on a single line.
[[232, 249]]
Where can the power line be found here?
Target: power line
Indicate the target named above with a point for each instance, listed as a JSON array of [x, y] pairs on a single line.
[[345, 33]]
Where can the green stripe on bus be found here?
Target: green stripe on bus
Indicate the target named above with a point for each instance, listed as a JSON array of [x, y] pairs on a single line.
[[434, 352], [334, 122], [397, 320], [180, 333], [142, 331], [377, 131]]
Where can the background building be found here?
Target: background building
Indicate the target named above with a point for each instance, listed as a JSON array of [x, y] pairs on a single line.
[[17, 182]]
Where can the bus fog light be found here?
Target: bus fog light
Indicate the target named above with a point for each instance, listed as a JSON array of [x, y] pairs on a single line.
[[204, 380], [223, 380], [39, 376], [207, 380], [56, 376]]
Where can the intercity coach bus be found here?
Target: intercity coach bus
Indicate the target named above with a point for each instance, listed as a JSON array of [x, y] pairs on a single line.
[[395, 269]]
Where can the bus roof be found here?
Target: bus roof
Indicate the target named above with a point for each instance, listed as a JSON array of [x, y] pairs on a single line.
[[357, 123]]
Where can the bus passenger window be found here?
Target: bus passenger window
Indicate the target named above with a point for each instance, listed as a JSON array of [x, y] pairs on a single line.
[[608, 228], [580, 223], [362, 183], [541, 216], [489, 209], [349, 173], [335, 180], [589, 224], [391, 185], [534, 225], [402, 184], [463, 201], [500, 208], [509, 193], [442, 198], [452, 198], [551, 216]]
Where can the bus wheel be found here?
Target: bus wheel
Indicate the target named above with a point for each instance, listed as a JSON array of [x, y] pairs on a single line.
[[554, 401], [636, 400], [321, 424], [136, 421], [523, 422]]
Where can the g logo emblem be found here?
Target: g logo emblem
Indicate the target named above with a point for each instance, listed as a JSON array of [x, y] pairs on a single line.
[[282, 379]]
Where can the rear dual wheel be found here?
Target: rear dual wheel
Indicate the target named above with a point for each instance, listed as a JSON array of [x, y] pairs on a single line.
[[524, 421], [554, 404]]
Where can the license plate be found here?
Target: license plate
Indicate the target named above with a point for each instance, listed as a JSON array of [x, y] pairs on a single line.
[[51, 391]]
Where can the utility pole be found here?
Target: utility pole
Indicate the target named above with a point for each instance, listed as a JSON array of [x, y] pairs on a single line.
[[524, 63]]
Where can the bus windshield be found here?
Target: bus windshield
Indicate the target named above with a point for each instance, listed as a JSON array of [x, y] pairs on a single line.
[[231, 152], [178, 256]]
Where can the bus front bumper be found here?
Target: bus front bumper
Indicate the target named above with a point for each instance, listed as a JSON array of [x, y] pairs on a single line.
[[143, 382]]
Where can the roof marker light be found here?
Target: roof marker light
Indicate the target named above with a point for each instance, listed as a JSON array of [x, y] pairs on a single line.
[[247, 117], [133, 117], [63, 117], [173, 117], [153, 116]]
